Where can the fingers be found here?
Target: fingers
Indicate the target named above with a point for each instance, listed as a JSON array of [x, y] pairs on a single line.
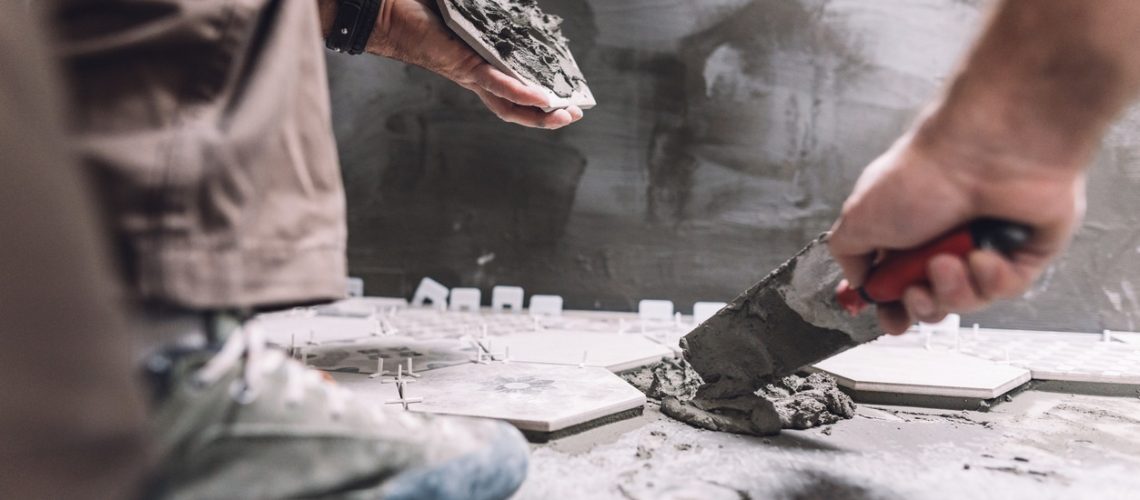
[[984, 276], [998, 278], [959, 286], [515, 102], [575, 112], [496, 82], [918, 304], [921, 305], [893, 318], [529, 116], [952, 286]]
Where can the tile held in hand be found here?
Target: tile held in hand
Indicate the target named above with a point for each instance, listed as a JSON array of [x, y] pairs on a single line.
[[519, 39]]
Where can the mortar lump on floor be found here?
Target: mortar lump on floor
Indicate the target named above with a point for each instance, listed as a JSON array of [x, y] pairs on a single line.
[[800, 402]]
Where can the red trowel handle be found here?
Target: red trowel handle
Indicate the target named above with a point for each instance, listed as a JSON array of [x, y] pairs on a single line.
[[900, 270]]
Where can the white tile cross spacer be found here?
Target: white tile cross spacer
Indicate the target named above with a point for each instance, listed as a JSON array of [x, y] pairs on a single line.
[[354, 287], [951, 325], [507, 296], [478, 353], [465, 299], [379, 369], [432, 291], [411, 373], [702, 311], [655, 310], [399, 379], [405, 401], [546, 305]]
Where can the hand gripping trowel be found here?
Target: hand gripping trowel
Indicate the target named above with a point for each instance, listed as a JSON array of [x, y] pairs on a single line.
[[800, 314]]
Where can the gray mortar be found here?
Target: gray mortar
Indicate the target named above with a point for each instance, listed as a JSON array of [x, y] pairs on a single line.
[[669, 378], [749, 414], [786, 321], [527, 39], [808, 402], [792, 402]]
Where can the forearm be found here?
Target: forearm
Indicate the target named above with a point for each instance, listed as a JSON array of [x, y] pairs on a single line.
[[413, 32], [1042, 84], [327, 10]]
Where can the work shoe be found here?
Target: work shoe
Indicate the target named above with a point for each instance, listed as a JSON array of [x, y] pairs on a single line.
[[248, 422]]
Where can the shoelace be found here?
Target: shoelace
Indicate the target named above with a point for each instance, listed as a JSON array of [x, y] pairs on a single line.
[[248, 342]]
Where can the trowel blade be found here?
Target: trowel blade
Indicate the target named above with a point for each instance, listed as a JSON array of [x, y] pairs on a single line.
[[787, 321]]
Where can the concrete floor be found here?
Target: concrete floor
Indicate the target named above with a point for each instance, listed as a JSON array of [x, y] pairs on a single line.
[[1039, 445]]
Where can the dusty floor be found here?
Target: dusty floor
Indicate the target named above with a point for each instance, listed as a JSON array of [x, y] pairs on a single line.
[[1039, 445]]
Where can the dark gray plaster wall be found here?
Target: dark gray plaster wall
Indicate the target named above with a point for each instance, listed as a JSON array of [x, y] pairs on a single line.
[[728, 134]]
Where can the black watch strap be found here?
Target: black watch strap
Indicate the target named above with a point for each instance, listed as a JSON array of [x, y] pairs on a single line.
[[354, 22]]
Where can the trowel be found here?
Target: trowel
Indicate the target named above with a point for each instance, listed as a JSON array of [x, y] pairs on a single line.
[[803, 313]]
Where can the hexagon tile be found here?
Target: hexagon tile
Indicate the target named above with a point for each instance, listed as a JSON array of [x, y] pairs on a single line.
[[544, 401], [915, 371], [613, 351]]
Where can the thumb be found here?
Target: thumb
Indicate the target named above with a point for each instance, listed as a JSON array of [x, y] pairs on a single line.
[[853, 257]]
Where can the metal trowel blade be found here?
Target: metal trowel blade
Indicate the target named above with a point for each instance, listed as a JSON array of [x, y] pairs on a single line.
[[787, 321]]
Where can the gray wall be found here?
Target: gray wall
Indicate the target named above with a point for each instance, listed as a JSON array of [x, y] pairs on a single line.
[[727, 135]]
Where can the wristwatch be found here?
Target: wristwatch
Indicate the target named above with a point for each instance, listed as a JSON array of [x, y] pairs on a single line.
[[353, 25]]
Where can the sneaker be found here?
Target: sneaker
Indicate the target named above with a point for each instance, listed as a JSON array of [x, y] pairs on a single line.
[[248, 422]]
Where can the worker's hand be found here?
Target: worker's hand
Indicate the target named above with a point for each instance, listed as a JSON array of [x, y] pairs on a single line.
[[920, 190], [411, 31]]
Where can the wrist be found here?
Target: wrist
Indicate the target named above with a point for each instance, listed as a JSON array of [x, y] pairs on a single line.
[[990, 129], [380, 43], [1040, 87]]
